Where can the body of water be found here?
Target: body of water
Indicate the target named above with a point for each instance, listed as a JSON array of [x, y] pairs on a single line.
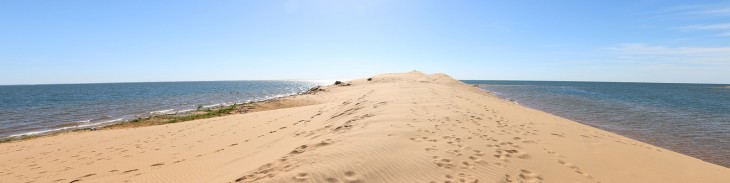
[[34, 109], [692, 119]]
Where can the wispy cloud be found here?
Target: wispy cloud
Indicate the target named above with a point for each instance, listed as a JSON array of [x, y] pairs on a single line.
[[677, 55], [713, 10], [716, 15], [724, 26], [723, 11]]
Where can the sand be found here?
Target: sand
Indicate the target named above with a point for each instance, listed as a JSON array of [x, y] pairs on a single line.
[[406, 127]]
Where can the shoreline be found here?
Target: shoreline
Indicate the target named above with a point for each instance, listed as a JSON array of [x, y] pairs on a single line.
[[157, 118], [595, 126], [598, 106], [403, 127]]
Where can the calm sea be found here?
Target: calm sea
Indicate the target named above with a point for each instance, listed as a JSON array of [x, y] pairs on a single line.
[[33, 109], [692, 119]]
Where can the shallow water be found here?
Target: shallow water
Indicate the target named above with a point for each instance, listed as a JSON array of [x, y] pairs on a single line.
[[693, 119], [29, 109]]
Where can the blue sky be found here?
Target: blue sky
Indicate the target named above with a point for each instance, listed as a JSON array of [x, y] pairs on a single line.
[[76, 41]]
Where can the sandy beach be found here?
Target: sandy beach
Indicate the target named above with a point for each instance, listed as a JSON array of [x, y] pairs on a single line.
[[405, 127]]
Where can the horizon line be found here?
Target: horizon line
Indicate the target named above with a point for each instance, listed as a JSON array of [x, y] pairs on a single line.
[[132, 82]]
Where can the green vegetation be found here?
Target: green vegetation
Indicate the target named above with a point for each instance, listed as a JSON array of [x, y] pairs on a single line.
[[199, 114], [208, 114]]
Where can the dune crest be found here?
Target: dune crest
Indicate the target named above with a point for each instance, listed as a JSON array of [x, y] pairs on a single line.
[[403, 127]]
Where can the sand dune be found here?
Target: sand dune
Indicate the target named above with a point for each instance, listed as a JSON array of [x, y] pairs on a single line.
[[408, 127]]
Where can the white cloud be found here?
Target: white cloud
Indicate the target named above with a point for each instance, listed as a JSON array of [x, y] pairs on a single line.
[[723, 11], [712, 10], [689, 56], [713, 13], [724, 26]]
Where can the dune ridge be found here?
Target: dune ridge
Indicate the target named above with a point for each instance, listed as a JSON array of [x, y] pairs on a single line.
[[403, 127]]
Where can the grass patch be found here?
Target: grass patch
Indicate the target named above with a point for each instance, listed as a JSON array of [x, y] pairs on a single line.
[[200, 114], [208, 113]]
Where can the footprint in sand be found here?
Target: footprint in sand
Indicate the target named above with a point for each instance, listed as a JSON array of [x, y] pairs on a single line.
[[301, 177], [507, 178], [431, 148], [529, 176], [478, 153], [466, 165], [526, 141], [444, 163], [299, 149], [455, 152], [575, 168], [326, 142], [352, 177], [504, 154], [332, 180]]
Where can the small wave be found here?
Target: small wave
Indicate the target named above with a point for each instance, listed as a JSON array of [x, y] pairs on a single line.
[[101, 123], [211, 106], [102, 118], [67, 128], [511, 100], [71, 124], [163, 112], [184, 111]]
